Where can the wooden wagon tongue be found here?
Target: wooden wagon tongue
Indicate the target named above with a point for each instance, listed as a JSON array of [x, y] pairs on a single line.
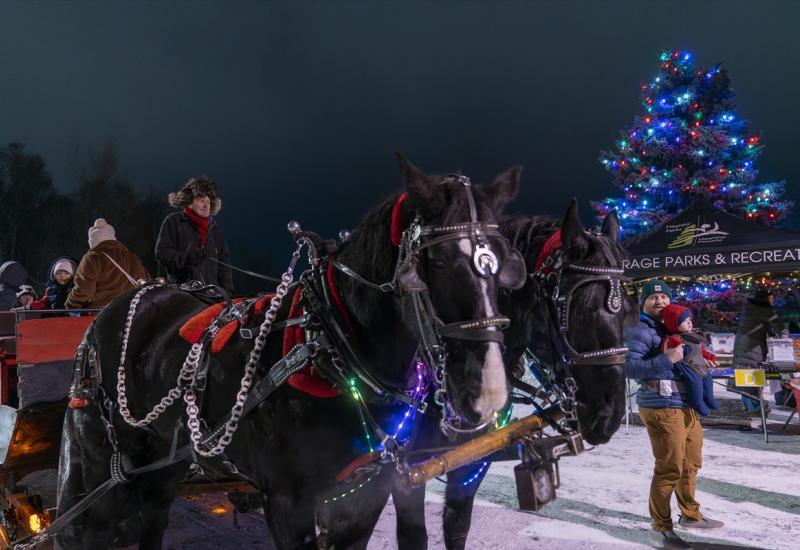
[[537, 477], [483, 446]]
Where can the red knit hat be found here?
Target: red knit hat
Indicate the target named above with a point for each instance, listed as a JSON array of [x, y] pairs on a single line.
[[673, 315]]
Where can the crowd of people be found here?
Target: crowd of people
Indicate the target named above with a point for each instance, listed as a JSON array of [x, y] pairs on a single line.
[[190, 247]]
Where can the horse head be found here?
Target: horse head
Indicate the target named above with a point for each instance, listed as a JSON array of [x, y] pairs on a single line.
[[601, 307], [439, 243], [456, 271], [573, 311]]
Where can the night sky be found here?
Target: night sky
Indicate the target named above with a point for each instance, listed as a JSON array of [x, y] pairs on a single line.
[[296, 108]]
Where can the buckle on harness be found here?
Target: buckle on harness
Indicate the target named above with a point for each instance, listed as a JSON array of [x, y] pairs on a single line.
[[231, 467]]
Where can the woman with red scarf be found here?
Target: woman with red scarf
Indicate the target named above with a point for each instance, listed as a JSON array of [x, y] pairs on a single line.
[[191, 245]]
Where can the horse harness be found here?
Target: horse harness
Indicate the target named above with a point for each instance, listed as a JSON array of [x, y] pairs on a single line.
[[560, 279], [331, 337], [433, 332]]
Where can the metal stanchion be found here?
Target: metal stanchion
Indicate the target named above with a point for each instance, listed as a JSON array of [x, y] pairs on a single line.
[[627, 406], [763, 413]]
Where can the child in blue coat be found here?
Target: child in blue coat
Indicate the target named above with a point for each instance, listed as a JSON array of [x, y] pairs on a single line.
[[61, 282], [693, 369]]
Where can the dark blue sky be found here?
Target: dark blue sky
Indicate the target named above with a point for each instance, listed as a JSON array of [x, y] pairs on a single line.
[[295, 108]]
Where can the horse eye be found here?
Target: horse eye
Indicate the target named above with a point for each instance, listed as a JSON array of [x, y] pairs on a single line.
[[439, 264]]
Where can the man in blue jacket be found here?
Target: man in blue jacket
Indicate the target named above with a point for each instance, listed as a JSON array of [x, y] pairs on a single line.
[[676, 436]]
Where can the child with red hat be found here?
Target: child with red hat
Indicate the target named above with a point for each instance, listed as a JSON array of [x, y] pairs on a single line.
[[693, 368]]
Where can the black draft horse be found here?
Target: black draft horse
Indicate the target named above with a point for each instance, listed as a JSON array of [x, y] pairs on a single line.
[[292, 445], [592, 327]]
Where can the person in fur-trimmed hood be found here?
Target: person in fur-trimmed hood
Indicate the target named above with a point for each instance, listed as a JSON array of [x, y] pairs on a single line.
[[191, 245]]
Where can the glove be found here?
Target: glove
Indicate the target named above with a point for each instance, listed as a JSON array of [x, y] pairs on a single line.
[[194, 255], [674, 341]]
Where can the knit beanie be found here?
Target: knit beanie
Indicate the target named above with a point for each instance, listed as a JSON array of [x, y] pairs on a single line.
[[65, 264], [673, 315], [655, 286], [100, 232], [26, 289]]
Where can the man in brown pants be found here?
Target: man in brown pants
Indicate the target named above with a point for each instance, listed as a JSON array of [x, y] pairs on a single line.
[[676, 436]]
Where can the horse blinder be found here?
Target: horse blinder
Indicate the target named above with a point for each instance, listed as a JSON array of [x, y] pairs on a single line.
[[513, 274], [409, 277]]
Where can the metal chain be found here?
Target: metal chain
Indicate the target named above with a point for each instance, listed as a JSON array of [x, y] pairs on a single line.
[[186, 373], [230, 427]]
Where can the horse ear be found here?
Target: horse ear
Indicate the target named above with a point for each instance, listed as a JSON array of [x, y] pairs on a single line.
[[573, 235], [610, 226], [409, 277], [426, 196], [504, 188]]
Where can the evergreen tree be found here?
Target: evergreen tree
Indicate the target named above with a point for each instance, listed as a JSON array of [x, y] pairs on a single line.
[[688, 143]]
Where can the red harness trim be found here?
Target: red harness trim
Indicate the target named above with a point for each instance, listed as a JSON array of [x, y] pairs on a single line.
[[306, 380], [193, 329], [396, 229], [552, 244], [78, 403], [357, 463]]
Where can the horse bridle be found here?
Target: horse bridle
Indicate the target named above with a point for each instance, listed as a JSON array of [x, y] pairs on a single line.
[[560, 298], [418, 237], [433, 331]]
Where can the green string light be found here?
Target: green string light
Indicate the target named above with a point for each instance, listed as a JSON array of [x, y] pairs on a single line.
[[359, 399]]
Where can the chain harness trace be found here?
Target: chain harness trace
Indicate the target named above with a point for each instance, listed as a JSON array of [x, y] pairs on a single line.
[[432, 350], [187, 377]]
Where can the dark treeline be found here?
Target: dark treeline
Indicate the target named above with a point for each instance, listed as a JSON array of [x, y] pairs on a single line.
[[39, 224]]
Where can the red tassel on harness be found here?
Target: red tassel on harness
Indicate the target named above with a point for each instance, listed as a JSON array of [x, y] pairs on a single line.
[[78, 403]]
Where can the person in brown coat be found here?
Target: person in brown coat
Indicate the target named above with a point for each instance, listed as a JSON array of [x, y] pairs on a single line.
[[107, 270]]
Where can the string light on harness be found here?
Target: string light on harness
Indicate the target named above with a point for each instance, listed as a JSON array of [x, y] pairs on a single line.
[[417, 396], [361, 405], [433, 333]]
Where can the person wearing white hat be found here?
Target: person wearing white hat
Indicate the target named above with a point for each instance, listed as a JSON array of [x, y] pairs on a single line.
[[106, 271], [25, 296], [58, 287]]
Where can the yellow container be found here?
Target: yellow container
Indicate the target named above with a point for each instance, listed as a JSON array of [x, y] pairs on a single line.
[[750, 378]]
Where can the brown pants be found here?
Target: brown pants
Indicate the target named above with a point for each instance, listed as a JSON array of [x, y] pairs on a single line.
[[677, 441]]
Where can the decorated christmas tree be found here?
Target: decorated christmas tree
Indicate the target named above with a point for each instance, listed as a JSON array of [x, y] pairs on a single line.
[[688, 143]]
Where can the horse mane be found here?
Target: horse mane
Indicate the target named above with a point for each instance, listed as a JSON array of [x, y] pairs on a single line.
[[370, 253], [528, 233]]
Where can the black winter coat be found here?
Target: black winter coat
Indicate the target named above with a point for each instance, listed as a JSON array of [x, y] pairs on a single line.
[[757, 321], [12, 276], [178, 250]]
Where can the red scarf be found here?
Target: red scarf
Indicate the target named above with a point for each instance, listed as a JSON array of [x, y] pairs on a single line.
[[200, 223]]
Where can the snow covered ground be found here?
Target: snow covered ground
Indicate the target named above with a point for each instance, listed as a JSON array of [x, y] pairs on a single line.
[[602, 503]]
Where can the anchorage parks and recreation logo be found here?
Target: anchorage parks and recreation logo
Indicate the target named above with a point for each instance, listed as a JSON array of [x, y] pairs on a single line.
[[695, 233]]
